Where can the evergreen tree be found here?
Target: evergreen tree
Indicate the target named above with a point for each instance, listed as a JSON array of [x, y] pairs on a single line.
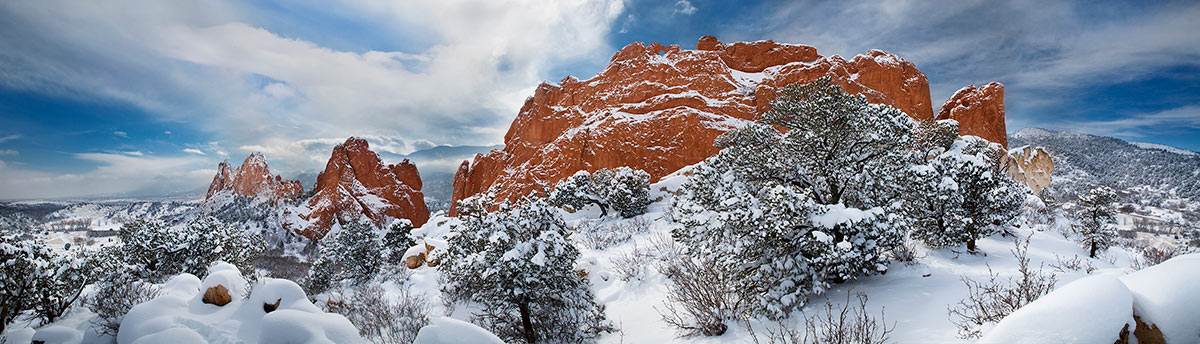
[[628, 191], [354, 253], [156, 251], [964, 197], [1097, 219], [25, 265], [519, 265], [623, 189], [398, 239], [789, 213]]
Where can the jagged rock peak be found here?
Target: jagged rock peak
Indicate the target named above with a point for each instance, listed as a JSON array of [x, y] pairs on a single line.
[[252, 179], [356, 185], [979, 111]]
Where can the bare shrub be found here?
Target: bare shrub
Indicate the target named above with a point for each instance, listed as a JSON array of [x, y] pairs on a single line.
[[631, 264], [282, 266], [381, 318], [992, 300], [908, 251], [1152, 256], [845, 325], [1073, 263], [702, 297], [601, 236], [114, 297]]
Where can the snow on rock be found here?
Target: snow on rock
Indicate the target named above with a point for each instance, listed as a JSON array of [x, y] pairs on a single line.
[[658, 108], [276, 311], [1090, 310], [445, 330], [355, 185], [1167, 295]]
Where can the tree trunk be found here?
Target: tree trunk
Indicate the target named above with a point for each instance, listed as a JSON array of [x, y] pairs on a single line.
[[1093, 253], [603, 207], [971, 245], [526, 323]]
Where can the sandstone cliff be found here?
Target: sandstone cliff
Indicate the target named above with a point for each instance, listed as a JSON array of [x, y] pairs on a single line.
[[659, 108], [979, 111]]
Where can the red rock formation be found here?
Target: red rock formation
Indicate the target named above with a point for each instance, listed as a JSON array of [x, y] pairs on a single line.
[[252, 179], [659, 108], [356, 184], [979, 111]]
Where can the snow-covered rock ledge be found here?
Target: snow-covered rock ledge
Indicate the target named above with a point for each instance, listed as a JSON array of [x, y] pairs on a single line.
[[1155, 304]]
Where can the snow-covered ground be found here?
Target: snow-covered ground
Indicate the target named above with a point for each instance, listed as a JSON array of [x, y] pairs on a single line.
[[912, 297]]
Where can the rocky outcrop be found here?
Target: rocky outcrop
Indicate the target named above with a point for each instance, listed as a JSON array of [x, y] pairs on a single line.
[[356, 185], [1030, 165], [252, 179], [659, 108], [979, 111]]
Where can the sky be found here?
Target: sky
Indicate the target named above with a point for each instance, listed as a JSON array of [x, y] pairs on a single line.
[[145, 97]]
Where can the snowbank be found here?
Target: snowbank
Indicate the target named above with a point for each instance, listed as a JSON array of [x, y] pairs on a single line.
[[1168, 296], [1094, 309], [444, 330], [1090, 310], [277, 311]]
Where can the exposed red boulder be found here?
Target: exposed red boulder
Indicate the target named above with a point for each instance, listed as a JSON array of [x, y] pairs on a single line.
[[659, 108], [356, 184], [979, 111], [252, 179]]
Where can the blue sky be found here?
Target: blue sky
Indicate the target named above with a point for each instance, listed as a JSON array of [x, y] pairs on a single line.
[[144, 97]]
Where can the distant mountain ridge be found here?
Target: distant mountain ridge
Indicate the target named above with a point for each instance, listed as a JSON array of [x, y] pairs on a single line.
[[1083, 161]]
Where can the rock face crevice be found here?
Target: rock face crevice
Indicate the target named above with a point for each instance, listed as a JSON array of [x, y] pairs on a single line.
[[979, 111], [356, 185], [252, 179], [658, 108]]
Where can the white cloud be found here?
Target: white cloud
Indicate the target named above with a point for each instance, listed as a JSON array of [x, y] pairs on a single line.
[[7, 138], [211, 65], [685, 7], [116, 174], [193, 151], [4, 152], [121, 133], [1039, 50], [133, 153], [1139, 125]]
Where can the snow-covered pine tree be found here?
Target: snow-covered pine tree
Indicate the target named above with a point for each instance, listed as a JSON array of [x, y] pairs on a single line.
[[991, 198], [353, 253], [623, 189], [578, 191], [1097, 219], [397, 240], [156, 251], [789, 213], [518, 264], [964, 195], [628, 191], [63, 281], [25, 264]]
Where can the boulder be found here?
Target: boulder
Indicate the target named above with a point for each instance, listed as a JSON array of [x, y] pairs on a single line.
[[217, 295], [658, 108]]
